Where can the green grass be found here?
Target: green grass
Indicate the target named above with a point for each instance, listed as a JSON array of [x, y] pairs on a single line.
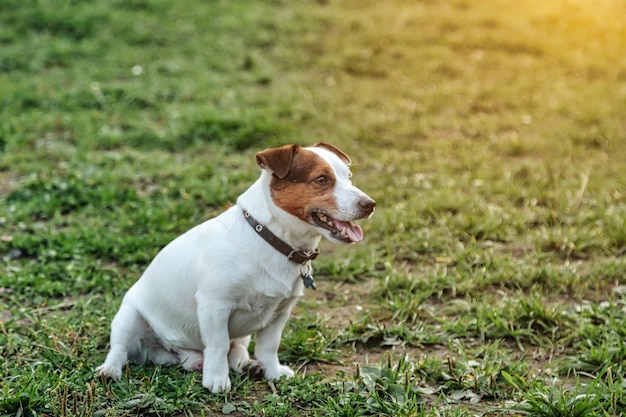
[[492, 135]]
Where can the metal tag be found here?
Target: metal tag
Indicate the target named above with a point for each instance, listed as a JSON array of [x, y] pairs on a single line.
[[307, 279]]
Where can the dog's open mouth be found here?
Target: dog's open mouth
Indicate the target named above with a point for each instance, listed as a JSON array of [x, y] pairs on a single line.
[[343, 231]]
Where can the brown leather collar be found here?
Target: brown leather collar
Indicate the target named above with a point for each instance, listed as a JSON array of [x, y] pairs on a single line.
[[297, 256]]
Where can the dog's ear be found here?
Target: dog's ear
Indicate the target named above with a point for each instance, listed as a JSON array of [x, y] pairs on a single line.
[[341, 154], [277, 160]]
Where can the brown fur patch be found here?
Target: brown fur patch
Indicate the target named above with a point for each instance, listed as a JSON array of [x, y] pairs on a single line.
[[302, 189], [277, 160]]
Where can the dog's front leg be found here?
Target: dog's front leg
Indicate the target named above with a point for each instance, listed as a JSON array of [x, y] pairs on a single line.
[[213, 322], [267, 341]]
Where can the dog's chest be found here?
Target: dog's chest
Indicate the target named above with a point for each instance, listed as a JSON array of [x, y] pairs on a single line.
[[254, 313]]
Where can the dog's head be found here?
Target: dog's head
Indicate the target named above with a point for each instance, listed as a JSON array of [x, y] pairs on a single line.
[[314, 185]]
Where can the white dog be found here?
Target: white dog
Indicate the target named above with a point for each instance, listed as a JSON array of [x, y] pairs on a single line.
[[209, 290]]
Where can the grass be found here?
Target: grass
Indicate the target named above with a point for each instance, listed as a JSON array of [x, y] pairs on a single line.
[[492, 135]]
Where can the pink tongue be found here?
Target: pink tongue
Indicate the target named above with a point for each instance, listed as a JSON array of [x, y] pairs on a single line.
[[355, 233]]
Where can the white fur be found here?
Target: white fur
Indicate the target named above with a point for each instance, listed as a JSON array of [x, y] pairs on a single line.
[[345, 193], [207, 291]]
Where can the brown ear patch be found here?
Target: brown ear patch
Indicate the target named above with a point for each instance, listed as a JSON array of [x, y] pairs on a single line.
[[277, 160], [341, 154]]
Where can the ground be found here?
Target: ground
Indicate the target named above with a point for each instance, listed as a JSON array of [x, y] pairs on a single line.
[[491, 278]]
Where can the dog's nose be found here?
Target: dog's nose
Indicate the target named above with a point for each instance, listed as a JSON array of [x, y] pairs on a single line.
[[367, 205]]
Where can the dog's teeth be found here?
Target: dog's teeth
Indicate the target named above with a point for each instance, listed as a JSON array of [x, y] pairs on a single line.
[[329, 221], [344, 232], [325, 219]]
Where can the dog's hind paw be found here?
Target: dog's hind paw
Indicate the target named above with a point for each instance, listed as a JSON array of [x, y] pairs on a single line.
[[254, 370], [193, 366], [191, 360]]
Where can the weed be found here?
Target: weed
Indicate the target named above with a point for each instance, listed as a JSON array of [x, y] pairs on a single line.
[[308, 339], [386, 390], [602, 395]]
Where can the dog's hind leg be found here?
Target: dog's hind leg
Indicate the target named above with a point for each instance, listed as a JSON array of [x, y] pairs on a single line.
[[158, 355], [127, 329], [238, 356]]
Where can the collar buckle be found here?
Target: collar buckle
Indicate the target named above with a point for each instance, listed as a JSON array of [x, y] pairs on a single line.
[[303, 256]]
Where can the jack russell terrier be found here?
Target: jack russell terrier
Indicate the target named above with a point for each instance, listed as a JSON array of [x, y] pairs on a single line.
[[240, 273]]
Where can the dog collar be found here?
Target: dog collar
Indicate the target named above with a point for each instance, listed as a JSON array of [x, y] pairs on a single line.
[[302, 257], [298, 256]]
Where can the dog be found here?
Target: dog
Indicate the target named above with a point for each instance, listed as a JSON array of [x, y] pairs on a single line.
[[240, 273]]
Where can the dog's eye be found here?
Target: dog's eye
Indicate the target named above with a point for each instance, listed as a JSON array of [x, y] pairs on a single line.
[[321, 180]]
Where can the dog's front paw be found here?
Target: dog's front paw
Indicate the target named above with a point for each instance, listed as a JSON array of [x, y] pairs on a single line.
[[278, 372], [216, 384], [109, 371]]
